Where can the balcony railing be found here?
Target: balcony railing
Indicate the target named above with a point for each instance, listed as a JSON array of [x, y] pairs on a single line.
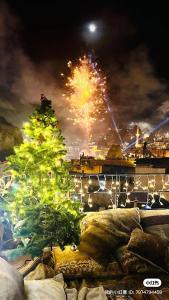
[[97, 191]]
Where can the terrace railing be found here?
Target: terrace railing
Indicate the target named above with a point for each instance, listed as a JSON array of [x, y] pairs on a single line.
[[121, 190]]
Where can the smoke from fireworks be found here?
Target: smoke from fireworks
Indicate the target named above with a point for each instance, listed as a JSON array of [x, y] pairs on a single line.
[[86, 88]]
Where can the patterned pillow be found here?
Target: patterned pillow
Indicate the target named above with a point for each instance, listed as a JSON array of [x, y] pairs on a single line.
[[76, 264], [156, 222], [132, 263], [102, 232], [142, 243]]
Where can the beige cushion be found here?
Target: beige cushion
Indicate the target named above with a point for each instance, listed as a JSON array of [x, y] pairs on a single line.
[[47, 289]]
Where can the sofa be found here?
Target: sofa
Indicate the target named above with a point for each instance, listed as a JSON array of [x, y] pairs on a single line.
[[119, 248]]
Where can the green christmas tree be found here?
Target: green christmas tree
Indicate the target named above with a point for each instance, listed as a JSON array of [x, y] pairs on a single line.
[[38, 201]]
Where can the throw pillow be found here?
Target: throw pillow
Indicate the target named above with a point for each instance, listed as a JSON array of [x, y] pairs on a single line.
[[132, 263], [148, 246], [76, 264], [49, 289]]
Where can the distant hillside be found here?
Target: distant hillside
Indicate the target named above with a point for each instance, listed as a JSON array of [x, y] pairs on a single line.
[[9, 137]]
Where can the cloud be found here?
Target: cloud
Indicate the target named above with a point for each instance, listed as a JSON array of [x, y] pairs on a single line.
[[136, 92], [164, 108], [22, 81], [144, 126]]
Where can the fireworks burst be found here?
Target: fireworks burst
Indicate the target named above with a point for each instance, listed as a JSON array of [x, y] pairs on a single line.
[[86, 89]]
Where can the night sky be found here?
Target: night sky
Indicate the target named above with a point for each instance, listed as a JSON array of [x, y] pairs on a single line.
[[132, 47]]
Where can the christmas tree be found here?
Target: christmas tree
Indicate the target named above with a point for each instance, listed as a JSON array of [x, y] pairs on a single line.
[[38, 202]]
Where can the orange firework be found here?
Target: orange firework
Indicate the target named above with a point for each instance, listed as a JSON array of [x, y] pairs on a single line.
[[86, 91]]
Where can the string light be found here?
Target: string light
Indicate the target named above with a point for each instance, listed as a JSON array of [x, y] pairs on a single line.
[[75, 180], [90, 181], [90, 202], [110, 206], [142, 183], [154, 186]]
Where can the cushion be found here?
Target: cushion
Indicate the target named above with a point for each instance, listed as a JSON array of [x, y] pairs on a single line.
[[156, 222], [143, 243], [132, 263], [102, 232], [76, 264], [49, 289], [11, 282]]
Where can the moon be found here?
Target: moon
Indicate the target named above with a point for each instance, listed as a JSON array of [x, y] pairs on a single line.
[[92, 27], [92, 31]]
